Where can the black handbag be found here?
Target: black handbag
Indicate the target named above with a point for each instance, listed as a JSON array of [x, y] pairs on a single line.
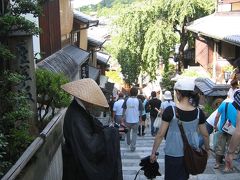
[[195, 159]]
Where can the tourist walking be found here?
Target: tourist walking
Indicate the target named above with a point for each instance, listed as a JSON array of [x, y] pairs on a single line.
[[117, 109], [192, 119], [132, 110], [233, 88], [226, 111], [235, 139], [141, 127], [167, 101], [118, 112], [153, 104]]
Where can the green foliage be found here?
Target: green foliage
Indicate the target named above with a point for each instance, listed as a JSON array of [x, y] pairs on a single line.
[[3, 163], [208, 109], [14, 115], [166, 83], [132, 27], [193, 73], [114, 76], [227, 68], [12, 23], [5, 53], [158, 45], [49, 92], [178, 13], [107, 8]]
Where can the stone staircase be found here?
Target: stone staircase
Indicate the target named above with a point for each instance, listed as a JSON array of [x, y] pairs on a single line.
[[131, 160]]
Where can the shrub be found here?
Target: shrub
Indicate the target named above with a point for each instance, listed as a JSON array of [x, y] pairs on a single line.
[[14, 120], [49, 93]]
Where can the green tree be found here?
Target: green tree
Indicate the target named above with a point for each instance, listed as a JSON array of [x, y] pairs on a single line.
[[132, 27], [159, 41], [178, 13], [148, 31]]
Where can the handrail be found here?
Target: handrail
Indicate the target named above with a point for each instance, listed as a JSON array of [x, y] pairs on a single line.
[[33, 148]]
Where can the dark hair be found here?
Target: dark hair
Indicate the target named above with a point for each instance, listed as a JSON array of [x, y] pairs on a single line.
[[153, 94], [133, 91], [140, 96], [193, 96], [120, 95], [234, 82]]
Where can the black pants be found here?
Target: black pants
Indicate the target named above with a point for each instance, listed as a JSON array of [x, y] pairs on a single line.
[[175, 169]]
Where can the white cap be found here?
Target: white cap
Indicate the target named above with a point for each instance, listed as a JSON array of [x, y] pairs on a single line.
[[186, 84], [167, 95]]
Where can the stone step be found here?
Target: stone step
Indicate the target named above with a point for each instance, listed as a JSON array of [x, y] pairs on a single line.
[[131, 160]]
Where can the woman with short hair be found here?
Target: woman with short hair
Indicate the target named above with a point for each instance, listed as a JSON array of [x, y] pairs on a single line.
[[192, 119]]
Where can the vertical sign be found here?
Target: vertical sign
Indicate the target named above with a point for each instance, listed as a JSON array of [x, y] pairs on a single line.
[[84, 70]]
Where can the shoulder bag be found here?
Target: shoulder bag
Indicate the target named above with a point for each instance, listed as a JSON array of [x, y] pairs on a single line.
[[195, 159]]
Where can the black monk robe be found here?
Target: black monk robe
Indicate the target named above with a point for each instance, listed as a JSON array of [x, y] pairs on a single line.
[[90, 151]]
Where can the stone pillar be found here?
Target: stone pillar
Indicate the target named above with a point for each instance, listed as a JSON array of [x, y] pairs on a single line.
[[22, 46]]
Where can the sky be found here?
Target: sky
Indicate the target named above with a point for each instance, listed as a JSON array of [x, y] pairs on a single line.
[[79, 3]]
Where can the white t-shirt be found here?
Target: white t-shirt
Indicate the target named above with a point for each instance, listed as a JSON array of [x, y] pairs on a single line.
[[165, 104], [231, 93], [132, 110], [117, 107]]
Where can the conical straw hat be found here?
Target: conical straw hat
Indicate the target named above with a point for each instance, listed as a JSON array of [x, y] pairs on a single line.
[[86, 90]]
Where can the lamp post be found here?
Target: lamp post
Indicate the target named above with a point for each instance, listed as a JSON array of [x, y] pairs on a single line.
[[227, 75]]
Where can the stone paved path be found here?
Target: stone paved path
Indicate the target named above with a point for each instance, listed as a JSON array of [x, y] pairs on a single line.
[[130, 162]]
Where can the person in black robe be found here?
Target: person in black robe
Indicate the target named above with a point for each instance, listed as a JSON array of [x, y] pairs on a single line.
[[90, 151]]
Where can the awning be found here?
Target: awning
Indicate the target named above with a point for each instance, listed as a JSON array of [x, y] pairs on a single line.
[[209, 88], [93, 73], [66, 61], [95, 42], [85, 19], [221, 26], [102, 58]]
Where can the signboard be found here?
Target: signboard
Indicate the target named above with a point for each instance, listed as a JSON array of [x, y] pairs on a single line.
[[84, 70]]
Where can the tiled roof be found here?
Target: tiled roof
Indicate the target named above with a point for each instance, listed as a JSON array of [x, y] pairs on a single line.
[[102, 58], [85, 19], [66, 61], [95, 42], [222, 26], [209, 88]]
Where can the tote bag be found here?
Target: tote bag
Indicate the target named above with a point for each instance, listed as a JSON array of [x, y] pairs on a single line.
[[157, 121]]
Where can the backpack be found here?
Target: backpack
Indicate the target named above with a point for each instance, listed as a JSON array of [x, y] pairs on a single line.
[[147, 107]]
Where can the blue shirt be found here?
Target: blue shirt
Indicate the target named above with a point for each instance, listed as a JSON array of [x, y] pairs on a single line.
[[231, 114]]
